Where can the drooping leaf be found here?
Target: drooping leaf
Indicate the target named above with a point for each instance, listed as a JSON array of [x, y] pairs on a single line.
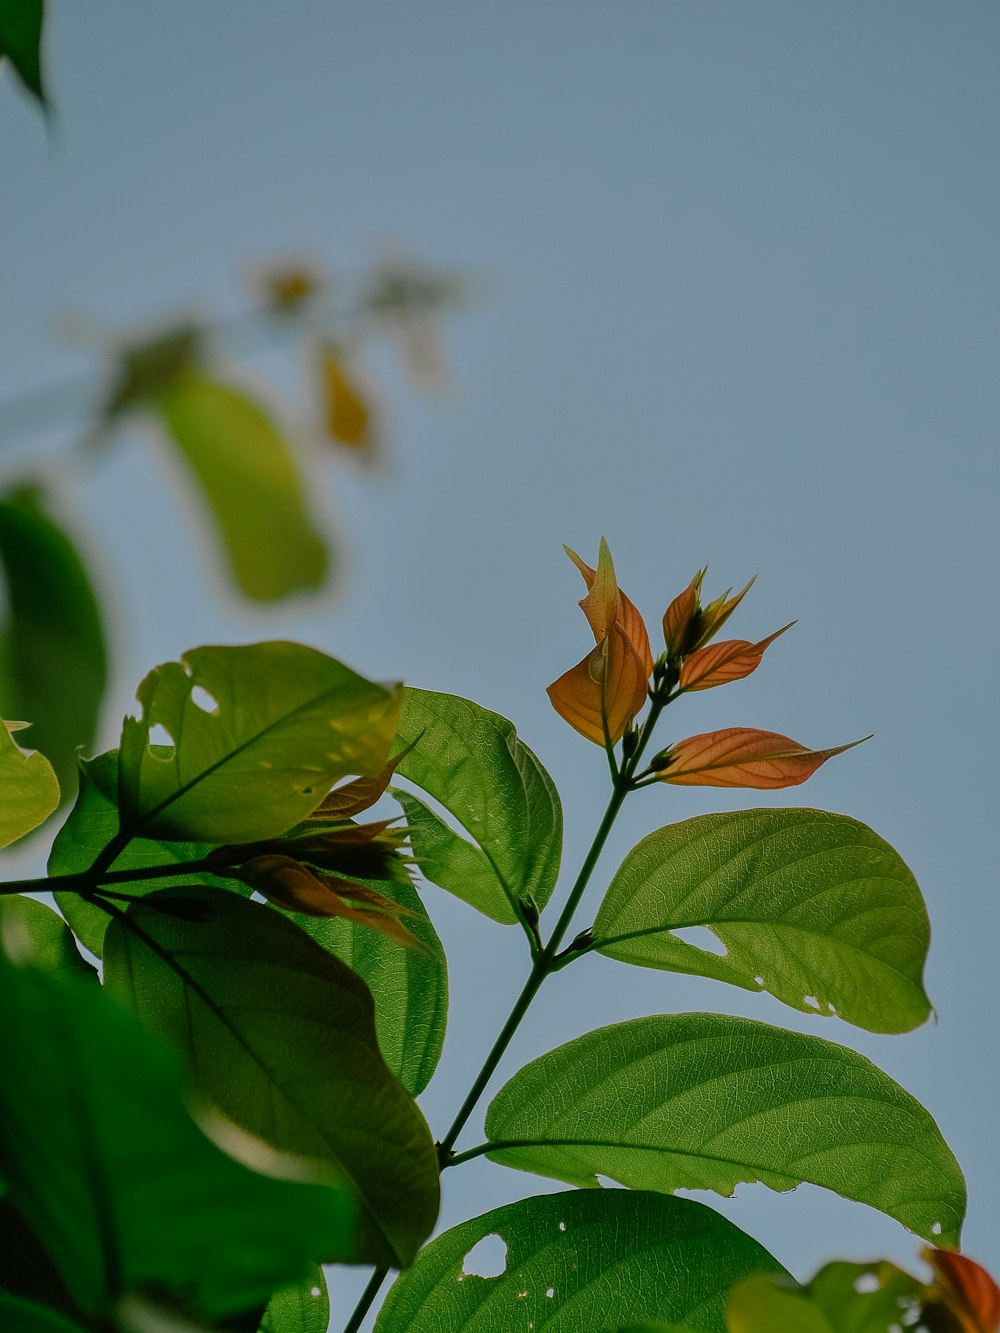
[[250, 484], [813, 907], [27, 1317], [303, 1308], [32, 933], [52, 655], [473, 762], [702, 1101], [347, 414], [743, 757], [20, 41], [287, 722], [29, 791], [111, 1174], [841, 1298], [602, 1256], [409, 987], [91, 826], [281, 1036]]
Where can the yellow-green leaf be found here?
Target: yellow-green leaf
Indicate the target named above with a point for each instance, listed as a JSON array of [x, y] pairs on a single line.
[[29, 791]]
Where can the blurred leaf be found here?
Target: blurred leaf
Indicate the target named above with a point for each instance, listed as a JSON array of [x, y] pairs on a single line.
[[29, 791], [250, 482], [20, 41], [410, 988], [281, 1036], [287, 721], [52, 654], [147, 368], [743, 757], [702, 1101], [473, 762], [599, 1255], [26, 1317], [347, 414], [92, 824], [32, 933], [304, 1308], [113, 1177], [966, 1291], [813, 907], [841, 1298]]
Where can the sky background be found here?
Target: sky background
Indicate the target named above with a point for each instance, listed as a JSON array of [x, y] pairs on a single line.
[[737, 305]]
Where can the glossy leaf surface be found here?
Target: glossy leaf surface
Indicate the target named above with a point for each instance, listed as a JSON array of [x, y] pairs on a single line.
[[841, 1298], [701, 1101], [250, 484], [20, 42], [108, 1169], [473, 762], [303, 1308], [813, 907], [32, 933], [590, 1259], [53, 662], [29, 791], [281, 1036], [287, 722]]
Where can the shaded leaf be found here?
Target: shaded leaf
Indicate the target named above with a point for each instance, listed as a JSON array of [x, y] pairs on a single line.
[[743, 757], [720, 663], [351, 798], [27, 1317], [347, 414], [53, 662], [841, 1298], [613, 1254], [32, 933], [966, 1289], [304, 1308], [250, 483], [472, 761], [687, 624], [702, 1101], [287, 722], [111, 1174], [280, 1035], [29, 791], [20, 41], [149, 367], [813, 907]]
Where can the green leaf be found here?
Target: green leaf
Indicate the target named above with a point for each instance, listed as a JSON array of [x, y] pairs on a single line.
[[410, 988], [579, 1260], [281, 1037], [813, 907], [841, 1298], [447, 859], [29, 791], [472, 761], [303, 1308], [701, 1101], [53, 662], [250, 483], [27, 1317], [91, 826], [20, 42], [113, 1177], [32, 933], [287, 722]]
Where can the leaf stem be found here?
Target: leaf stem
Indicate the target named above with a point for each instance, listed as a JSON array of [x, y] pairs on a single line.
[[85, 882], [367, 1298]]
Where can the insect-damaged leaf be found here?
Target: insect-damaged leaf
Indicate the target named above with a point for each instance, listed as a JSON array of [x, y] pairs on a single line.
[[841, 1298], [472, 761], [617, 1254], [304, 1308], [250, 483], [107, 1168], [701, 1101], [29, 791], [281, 1036], [287, 722], [813, 907], [52, 654]]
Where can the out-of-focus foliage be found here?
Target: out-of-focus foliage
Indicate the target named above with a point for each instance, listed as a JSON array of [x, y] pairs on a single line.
[[20, 42]]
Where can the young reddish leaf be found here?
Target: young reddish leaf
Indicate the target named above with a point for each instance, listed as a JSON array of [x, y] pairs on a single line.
[[604, 691], [743, 757], [679, 615], [346, 414], [349, 800], [966, 1289], [711, 618], [605, 603], [719, 663]]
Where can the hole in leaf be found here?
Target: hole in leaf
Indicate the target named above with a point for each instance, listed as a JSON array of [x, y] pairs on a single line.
[[701, 937], [315, 1291], [811, 1001], [936, 1229], [867, 1282], [562, 1226], [607, 1183], [759, 981], [487, 1258], [550, 1292], [159, 736], [201, 698]]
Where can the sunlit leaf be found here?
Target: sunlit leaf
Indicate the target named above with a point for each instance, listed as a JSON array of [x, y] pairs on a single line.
[[32, 933], [285, 722], [52, 654], [605, 603], [347, 414], [250, 483], [111, 1174], [410, 988], [280, 1035], [813, 907], [743, 757], [473, 762], [702, 1101], [841, 1298], [603, 1256], [720, 663], [601, 695], [20, 41], [29, 791], [303, 1308], [27, 1317], [966, 1289]]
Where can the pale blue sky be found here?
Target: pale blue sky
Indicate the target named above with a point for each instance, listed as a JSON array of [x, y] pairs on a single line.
[[740, 307]]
